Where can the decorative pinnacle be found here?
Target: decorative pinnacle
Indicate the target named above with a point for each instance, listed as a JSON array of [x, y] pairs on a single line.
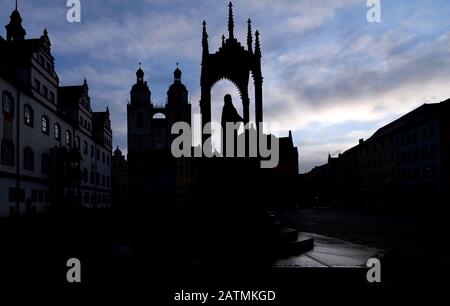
[[230, 21], [249, 36], [223, 40], [257, 44], [205, 37]]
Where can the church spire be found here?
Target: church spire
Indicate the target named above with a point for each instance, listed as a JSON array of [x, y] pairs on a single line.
[[177, 74], [205, 38], [249, 36], [140, 74], [230, 21], [14, 30]]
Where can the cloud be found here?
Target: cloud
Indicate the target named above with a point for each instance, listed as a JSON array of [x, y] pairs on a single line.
[[329, 75]]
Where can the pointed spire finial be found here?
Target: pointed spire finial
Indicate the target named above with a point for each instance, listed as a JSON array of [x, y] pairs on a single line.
[[230, 21], [205, 38], [223, 40], [249, 36], [177, 74], [257, 44], [16, 4]]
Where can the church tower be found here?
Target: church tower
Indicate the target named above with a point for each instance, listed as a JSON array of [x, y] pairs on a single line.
[[178, 107], [139, 112], [152, 168], [15, 30]]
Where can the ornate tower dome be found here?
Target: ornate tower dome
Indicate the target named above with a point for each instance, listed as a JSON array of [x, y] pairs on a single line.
[[14, 30]]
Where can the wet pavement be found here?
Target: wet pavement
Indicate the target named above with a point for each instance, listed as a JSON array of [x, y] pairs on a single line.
[[331, 253]]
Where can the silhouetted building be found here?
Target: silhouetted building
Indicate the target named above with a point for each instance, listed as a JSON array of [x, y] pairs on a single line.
[[54, 149], [152, 168], [405, 163], [119, 180]]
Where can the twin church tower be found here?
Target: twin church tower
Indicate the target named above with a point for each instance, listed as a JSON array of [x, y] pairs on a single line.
[[152, 169]]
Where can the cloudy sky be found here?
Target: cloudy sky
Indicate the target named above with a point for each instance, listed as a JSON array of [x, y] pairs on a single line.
[[330, 76]]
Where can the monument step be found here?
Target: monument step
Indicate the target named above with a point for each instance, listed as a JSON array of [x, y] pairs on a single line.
[[287, 234], [300, 245]]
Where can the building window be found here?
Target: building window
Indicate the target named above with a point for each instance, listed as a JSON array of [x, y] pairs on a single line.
[[57, 131], [85, 147], [37, 85], [7, 156], [52, 97], [16, 195], [45, 163], [8, 102], [68, 138], [103, 157], [92, 177], [77, 142], [103, 181], [28, 115], [45, 91], [92, 151], [28, 159], [107, 160], [45, 124], [97, 154]]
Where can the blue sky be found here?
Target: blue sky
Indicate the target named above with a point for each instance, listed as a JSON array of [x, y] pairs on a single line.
[[330, 76]]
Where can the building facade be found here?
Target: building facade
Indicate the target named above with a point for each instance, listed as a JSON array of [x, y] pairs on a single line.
[[54, 148], [405, 163], [119, 180]]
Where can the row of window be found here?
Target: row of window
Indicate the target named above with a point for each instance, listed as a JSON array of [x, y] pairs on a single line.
[[29, 161], [378, 177], [416, 136], [380, 145], [417, 172], [99, 199], [45, 128], [45, 64], [85, 123], [380, 161], [37, 196], [427, 152], [44, 91], [95, 178]]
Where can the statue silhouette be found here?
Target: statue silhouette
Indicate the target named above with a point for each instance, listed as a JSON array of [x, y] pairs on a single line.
[[229, 115], [229, 112]]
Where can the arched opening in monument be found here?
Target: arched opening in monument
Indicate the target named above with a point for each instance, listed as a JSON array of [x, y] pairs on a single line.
[[159, 116]]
